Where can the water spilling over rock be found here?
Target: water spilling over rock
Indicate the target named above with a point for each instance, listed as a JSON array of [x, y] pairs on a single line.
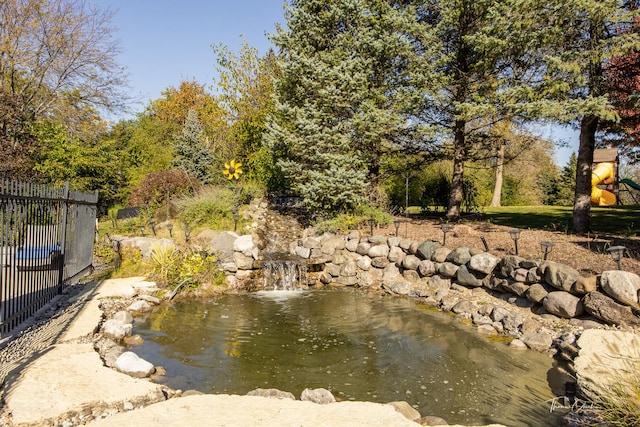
[[284, 272]]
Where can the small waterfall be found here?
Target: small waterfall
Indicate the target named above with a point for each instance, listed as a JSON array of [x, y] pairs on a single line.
[[282, 273]]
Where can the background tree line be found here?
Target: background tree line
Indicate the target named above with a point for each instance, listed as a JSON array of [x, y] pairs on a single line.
[[382, 103]]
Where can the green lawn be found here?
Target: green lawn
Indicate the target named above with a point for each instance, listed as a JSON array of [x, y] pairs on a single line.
[[621, 220]]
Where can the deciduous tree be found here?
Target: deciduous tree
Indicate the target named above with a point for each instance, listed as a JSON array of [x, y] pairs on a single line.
[[17, 141], [590, 33], [245, 93], [56, 53]]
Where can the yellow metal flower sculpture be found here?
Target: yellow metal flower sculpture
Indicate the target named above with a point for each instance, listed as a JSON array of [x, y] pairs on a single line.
[[232, 170]]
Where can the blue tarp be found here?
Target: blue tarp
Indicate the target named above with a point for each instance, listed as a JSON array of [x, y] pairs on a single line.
[[37, 252]]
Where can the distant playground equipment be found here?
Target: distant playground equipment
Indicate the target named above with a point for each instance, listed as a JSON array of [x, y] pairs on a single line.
[[605, 183], [630, 185]]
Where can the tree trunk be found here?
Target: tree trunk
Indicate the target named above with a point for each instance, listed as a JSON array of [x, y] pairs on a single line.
[[497, 189], [455, 197], [582, 200]]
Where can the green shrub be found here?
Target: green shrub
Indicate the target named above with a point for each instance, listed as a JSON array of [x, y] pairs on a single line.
[[200, 267], [158, 187], [351, 221], [129, 263], [210, 207]]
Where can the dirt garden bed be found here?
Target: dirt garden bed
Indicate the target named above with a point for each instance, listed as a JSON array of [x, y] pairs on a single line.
[[586, 253]]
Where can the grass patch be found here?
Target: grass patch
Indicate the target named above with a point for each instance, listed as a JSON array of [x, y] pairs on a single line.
[[617, 398], [352, 221], [621, 220]]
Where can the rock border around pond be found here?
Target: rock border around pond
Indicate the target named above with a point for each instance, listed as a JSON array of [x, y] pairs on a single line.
[[533, 303], [545, 298]]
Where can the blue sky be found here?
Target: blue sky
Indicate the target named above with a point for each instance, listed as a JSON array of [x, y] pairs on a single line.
[[165, 42]]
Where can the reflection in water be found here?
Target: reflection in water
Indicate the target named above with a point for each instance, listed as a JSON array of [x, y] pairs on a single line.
[[360, 346]]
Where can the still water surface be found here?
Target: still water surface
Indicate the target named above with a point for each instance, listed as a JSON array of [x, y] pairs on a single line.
[[360, 346]]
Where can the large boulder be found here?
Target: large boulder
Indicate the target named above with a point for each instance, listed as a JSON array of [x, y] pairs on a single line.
[[467, 278], [363, 262], [606, 309], [312, 242], [584, 285], [426, 268], [483, 262], [560, 276], [363, 248], [131, 364], [352, 245], [223, 242], [303, 252], [246, 246], [378, 251], [321, 396], [349, 269], [538, 341], [459, 256], [447, 269], [507, 265], [536, 293], [605, 361], [243, 261], [518, 288], [439, 282], [411, 262], [398, 286], [623, 286], [397, 255], [464, 307], [380, 262], [365, 279], [116, 329], [512, 322], [426, 249], [563, 304], [332, 244]]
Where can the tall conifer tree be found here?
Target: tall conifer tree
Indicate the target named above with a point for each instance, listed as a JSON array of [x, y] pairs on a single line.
[[191, 152], [337, 97]]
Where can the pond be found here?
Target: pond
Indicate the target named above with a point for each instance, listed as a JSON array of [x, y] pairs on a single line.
[[359, 345]]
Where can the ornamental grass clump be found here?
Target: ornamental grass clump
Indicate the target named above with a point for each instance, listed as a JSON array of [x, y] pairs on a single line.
[[617, 402], [163, 260]]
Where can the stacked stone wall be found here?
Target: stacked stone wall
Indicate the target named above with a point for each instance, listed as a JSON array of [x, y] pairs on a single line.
[[428, 270], [445, 277]]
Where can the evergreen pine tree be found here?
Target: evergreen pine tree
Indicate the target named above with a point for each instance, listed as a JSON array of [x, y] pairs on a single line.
[[337, 97], [567, 182], [190, 150]]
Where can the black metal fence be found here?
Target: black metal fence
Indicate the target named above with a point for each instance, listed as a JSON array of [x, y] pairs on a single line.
[[46, 241]]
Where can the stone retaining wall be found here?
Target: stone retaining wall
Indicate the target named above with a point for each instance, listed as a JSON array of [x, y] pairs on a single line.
[[441, 276], [428, 270]]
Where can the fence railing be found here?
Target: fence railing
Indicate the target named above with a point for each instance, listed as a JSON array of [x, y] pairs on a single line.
[[46, 241]]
